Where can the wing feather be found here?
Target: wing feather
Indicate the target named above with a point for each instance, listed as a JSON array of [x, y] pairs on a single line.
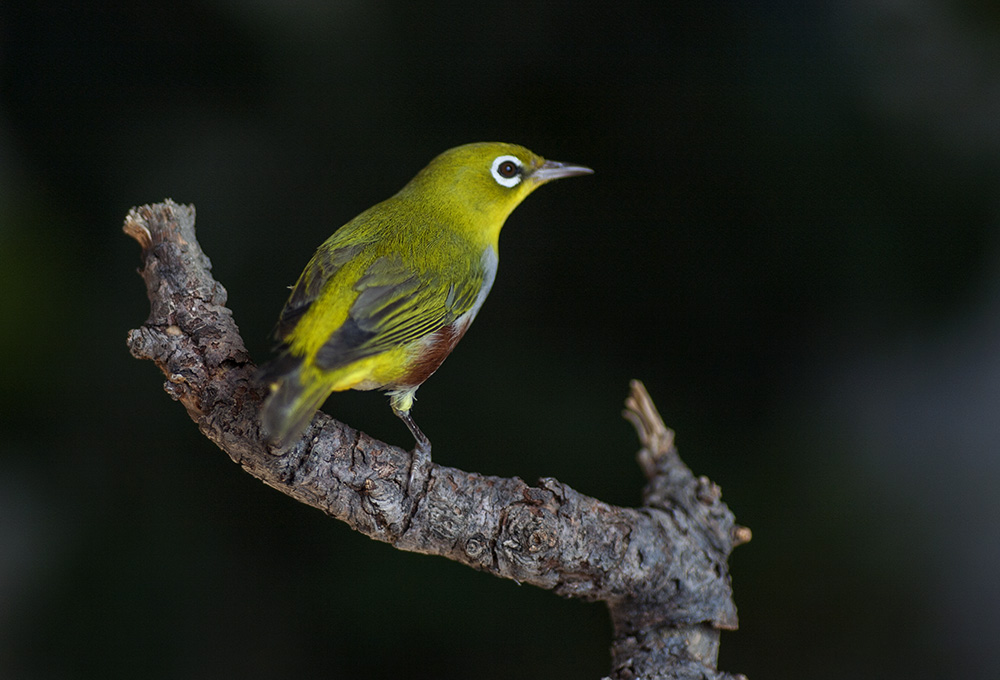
[[396, 306], [321, 268]]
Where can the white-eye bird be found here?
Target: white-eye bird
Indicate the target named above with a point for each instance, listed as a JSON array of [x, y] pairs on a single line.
[[388, 296]]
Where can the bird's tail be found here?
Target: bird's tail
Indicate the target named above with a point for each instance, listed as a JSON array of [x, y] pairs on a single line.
[[289, 408]]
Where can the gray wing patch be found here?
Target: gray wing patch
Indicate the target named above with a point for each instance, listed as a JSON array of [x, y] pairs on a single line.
[[323, 265], [395, 307], [380, 312]]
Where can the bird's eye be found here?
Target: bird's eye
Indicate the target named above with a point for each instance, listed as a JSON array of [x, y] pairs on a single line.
[[506, 170]]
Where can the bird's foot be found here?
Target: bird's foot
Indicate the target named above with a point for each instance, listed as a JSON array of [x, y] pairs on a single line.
[[420, 457], [420, 467]]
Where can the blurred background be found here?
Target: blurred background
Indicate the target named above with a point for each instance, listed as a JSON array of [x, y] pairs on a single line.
[[791, 237]]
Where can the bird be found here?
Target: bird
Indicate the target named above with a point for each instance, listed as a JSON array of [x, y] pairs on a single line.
[[386, 298]]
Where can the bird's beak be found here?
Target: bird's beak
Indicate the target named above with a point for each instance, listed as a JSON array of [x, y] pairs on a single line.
[[550, 170]]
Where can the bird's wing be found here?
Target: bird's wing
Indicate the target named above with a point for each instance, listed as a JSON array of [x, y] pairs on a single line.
[[321, 268], [396, 306]]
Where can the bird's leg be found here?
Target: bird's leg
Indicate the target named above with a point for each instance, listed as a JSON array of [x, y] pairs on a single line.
[[421, 455]]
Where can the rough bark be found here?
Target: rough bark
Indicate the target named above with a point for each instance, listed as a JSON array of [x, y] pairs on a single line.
[[661, 568]]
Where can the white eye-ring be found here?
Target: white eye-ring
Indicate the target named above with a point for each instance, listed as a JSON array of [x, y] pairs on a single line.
[[506, 170]]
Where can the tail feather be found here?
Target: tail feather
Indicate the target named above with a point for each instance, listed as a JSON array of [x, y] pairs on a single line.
[[290, 407]]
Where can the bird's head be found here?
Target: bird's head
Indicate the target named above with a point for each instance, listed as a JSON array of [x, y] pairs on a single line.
[[478, 185]]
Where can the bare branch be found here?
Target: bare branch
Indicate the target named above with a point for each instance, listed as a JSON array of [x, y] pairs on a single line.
[[660, 568]]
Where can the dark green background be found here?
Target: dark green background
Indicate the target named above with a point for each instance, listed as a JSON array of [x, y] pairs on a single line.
[[791, 237]]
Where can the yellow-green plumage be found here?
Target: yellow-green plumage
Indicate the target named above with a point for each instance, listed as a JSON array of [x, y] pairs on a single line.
[[384, 300]]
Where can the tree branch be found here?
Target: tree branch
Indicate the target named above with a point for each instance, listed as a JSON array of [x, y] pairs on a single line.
[[660, 568]]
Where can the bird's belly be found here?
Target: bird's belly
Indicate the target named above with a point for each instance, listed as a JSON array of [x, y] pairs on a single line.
[[365, 385], [434, 349]]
